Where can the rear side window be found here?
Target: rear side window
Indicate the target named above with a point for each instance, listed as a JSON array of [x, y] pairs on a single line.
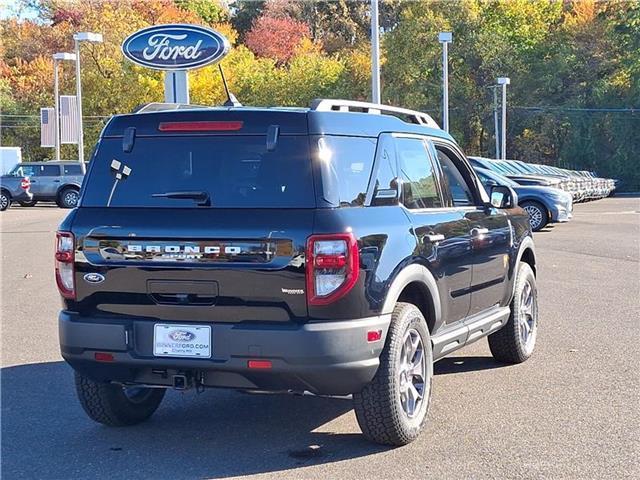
[[345, 165], [39, 170], [235, 171], [72, 169]]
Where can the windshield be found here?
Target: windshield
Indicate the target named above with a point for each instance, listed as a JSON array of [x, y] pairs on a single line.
[[223, 171], [486, 175]]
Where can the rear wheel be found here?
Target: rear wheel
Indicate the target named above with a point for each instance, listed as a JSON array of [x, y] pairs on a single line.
[[68, 198], [514, 343], [392, 409], [5, 200], [538, 215], [32, 203], [115, 405]]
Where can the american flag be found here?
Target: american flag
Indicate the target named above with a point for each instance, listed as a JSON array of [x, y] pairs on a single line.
[[47, 127], [68, 119]]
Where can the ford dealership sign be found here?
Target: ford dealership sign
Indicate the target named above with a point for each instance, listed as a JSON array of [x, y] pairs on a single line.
[[175, 47]]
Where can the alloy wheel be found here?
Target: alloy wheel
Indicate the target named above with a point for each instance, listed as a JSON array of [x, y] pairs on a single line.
[[71, 198], [535, 216], [412, 373], [4, 202], [528, 317]]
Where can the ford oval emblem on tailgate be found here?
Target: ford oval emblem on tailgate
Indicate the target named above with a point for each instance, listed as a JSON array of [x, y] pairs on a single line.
[[182, 336], [94, 278]]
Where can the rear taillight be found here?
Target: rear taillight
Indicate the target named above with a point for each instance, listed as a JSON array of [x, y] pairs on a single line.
[[65, 265], [333, 264], [25, 183]]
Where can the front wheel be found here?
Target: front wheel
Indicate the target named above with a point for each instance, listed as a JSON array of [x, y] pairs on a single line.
[[114, 405], [514, 343], [69, 198], [392, 409], [538, 216]]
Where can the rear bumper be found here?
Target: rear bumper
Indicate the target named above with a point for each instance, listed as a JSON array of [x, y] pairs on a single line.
[[21, 196], [326, 358]]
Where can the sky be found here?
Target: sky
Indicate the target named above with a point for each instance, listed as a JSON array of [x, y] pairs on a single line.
[[13, 8]]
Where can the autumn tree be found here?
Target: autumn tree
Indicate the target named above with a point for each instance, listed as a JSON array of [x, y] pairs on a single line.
[[276, 37]]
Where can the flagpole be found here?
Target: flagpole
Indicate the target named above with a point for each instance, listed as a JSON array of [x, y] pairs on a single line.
[[56, 107], [375, 53]]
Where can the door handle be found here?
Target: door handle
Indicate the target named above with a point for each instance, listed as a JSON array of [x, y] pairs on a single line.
[[476, 232], [56, 181], [432, 238]]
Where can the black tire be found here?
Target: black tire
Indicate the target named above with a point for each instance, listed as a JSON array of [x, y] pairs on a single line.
[[109, 404], [5, 200], [515, 342], [68, 198], [538, 214], [32, 203], [379, 409]]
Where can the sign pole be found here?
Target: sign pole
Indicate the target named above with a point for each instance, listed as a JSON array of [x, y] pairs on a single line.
[[176, 86]]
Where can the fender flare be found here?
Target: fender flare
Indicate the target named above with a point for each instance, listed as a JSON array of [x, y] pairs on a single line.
[[526, 243], [67, 185], [413, 273]]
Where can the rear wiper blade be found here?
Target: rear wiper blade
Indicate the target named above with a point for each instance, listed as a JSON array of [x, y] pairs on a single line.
[[202, 198]]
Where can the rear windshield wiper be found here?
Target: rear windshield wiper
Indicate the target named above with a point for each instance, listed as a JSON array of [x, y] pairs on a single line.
[[202, 198]]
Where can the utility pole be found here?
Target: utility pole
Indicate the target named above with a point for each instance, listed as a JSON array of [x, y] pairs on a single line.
[[445, 38], [375, 53]]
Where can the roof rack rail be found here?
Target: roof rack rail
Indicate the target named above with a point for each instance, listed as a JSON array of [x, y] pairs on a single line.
[[409, 116], [159, 107]]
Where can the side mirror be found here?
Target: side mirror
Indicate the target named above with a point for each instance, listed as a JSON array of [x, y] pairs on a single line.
[[503, 197]]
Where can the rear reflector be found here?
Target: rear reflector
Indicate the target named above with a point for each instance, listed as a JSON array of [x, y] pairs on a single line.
[[374, 335], [259, 364], [199, 126], [103, 357]]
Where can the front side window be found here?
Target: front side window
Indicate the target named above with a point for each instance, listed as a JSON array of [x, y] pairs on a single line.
[[72, 169], [458, 186], [419, 182]]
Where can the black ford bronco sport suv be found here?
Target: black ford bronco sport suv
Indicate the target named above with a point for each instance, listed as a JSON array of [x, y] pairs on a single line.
[[340, 249]]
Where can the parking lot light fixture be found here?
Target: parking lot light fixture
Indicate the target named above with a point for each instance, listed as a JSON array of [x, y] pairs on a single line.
[[445, 38], [77, 38], [504, 81], [58, 57]]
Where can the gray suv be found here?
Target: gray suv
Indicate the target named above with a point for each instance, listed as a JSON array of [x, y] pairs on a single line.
[[52, 181]]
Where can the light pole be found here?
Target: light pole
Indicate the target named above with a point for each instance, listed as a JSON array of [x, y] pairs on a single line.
[[77, 38], [375, 53], [445, 38], [56, 97], [496, 127], [504, 81]]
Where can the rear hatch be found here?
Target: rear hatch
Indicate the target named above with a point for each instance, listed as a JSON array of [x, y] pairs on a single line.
[[196, 216]]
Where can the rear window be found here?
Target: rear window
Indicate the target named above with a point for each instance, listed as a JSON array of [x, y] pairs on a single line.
[[234, 171]]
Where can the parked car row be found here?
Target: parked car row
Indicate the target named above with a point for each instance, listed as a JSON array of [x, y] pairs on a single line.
[[51, 181], [582, 185]]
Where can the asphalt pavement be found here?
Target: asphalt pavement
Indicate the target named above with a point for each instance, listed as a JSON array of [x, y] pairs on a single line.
[[571, 411]]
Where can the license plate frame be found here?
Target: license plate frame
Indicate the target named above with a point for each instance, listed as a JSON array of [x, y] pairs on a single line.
[[182, 341]]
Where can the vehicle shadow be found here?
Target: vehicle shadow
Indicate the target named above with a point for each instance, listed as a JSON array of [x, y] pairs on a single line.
[[217, 434], [451, 365]]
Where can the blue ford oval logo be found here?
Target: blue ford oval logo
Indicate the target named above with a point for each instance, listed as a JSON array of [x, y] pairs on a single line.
[[175, 47], [182, 336], [94, 278]]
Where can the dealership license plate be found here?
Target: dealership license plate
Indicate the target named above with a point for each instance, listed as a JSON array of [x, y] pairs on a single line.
[[182, 341]]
